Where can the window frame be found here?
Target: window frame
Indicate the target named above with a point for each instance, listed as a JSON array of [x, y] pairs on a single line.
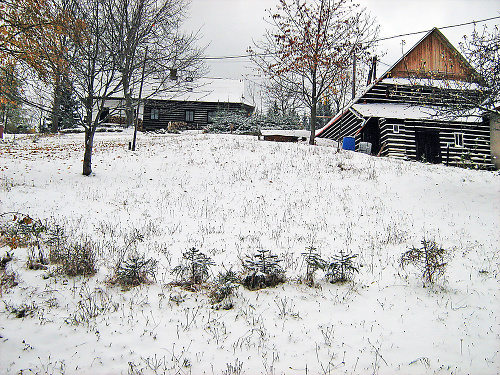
[[210, 116], [188, 118], [155, 114], [458, 138]]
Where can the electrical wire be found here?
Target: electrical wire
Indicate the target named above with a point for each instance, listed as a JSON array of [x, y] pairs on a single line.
[[376, 40]]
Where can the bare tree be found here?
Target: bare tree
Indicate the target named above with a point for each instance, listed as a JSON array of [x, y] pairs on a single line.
[[482, 50], [150, 46], [282, 95], [94, 74], [312, 44]]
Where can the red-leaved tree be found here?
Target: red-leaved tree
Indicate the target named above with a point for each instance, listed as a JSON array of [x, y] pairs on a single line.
[[311, 45]]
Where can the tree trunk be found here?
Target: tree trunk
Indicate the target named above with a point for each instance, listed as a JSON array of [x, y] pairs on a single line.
[[56, 108], [314, 105], [87, 157], [129, 110], [313, 124]]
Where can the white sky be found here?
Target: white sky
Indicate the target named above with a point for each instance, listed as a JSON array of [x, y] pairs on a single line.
[[229, 26]]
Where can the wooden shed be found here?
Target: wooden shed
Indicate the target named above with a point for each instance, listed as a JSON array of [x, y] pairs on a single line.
[[401, 113]]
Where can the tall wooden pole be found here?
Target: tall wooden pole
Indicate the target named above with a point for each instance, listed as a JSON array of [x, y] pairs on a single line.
[[353, 76], [139, 100]]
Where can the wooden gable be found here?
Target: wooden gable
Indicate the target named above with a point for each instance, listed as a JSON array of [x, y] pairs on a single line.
[[436, 58]]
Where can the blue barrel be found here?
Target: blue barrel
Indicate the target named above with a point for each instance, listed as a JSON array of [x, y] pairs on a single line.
[[348, 143]]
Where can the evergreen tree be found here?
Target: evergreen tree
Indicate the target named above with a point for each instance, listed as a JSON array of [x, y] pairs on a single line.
[[10, 101], [236, 122], [69, 110]]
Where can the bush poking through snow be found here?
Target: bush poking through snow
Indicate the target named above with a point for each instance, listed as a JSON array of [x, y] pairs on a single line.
[[235, 369], [135, 270], [341, 268], [22, 311], [263, 270], [57, 242], [194, 268], [7, 279], [430, 259], [223, 289], [92, 304], [313, 263], [79, 260]]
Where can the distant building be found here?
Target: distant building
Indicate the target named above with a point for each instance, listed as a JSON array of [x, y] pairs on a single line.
[[189, 108], [402, 114]]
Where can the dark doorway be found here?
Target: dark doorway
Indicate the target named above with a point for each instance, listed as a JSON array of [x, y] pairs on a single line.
[[427, 143], [371, 133]]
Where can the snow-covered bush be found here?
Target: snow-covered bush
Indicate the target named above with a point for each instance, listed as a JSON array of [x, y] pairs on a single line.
[[313, 263], [135, 270], [79, 260], [262, 270], [235, 122], [222, 291], [289, 121], [341, 268], [194, 268], [430, 260]]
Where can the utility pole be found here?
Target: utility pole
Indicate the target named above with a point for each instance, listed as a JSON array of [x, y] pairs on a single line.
[[353, 76], [139, 101]]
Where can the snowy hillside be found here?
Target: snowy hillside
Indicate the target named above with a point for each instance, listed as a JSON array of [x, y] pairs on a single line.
[[229, 196]]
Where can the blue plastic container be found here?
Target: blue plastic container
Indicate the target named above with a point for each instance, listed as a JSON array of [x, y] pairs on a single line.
[[348, 143]]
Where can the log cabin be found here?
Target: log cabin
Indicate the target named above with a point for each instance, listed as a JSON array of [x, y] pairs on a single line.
[[189, 108], [404, 112]]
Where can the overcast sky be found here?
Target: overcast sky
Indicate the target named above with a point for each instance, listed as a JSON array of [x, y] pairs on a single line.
[[230, 26]]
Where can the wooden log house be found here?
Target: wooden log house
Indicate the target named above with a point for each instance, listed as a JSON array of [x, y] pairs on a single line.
[[404, 112], [191, 107], [192, 114]]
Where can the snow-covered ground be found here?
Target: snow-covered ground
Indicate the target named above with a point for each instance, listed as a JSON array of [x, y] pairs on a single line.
[[229, 196]]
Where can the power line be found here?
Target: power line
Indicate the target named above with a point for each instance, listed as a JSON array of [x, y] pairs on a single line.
[[444, 27], [233, 57]]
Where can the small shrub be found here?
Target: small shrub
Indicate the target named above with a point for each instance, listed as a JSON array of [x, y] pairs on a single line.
[[263, 270], [92, 304], [313, 263], [79, 260], [194, 268], [430, 259], [235, 369], [8, 279], [56, 239], [4, 260], [341, 268], [135, 270], [223, 290], [22, 311]]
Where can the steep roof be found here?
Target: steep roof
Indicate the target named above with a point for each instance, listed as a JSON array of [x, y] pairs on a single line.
[[431, 61], [433, 57]]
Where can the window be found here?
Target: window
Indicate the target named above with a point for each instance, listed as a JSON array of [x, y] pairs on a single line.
[[395, 128], [210, 116], [459, 139], [189, 116], [155, 114]]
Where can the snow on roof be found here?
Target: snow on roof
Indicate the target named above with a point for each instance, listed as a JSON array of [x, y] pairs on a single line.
[[438, 83], [205, 90], [405, 111]]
